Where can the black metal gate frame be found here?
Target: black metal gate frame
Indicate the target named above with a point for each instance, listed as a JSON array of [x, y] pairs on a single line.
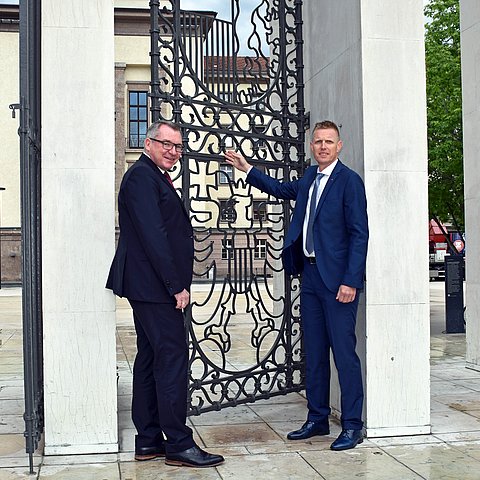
[[254, 103], [29, 132]]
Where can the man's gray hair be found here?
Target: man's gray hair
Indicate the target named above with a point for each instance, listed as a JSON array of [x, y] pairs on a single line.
[[154, 127]]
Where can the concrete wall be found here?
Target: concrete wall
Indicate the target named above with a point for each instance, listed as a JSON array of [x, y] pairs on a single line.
[[470, 38], [78, 147], [365, 70]]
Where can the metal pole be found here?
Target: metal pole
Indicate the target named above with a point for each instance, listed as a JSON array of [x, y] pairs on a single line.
[[29, 131]]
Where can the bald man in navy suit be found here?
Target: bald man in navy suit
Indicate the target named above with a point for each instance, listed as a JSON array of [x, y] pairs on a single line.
[[153, 269], [326, 243]]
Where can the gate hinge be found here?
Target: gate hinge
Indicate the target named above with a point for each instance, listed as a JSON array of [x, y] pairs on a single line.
[[13, 107]]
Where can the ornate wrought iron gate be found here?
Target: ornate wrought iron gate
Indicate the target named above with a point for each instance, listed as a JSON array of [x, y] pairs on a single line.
[[244, 321], [29, 131]]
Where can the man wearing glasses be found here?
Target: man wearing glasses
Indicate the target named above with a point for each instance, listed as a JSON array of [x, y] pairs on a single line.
[[153, 268]]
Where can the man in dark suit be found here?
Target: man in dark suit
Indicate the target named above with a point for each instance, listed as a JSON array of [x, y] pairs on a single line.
[[327, 243], [153, 268]]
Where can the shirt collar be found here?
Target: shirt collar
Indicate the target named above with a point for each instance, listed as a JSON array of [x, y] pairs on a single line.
[[147, 155], [328, 170]]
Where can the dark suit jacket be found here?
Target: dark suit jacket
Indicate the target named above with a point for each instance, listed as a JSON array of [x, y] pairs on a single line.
[[340, 229], [154, 257]]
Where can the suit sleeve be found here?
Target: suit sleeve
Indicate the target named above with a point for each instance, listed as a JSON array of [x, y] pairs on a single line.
[[267, 184], [355, 209], [143, 199]]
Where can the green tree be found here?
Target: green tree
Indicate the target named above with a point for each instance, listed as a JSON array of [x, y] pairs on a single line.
[[444, 110]]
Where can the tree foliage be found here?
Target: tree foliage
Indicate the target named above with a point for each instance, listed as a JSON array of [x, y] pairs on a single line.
[[444, 110]]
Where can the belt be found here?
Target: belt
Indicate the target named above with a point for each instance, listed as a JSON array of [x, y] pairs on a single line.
[[311, 260]]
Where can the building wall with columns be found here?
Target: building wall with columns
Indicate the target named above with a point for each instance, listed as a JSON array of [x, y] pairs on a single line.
[[132, 70], [365, 71], [132, 74]]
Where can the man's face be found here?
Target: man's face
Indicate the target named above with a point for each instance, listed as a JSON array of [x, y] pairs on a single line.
[[325, 146], [163, 157]]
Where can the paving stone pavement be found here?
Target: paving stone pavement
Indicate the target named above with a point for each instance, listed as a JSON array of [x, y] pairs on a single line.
[[252, 437]]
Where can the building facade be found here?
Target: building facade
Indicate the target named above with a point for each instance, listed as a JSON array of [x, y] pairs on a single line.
[[132, 118]]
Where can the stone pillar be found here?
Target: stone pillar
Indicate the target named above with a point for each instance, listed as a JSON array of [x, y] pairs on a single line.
[[470, 40], [78, 146], [365, 70]]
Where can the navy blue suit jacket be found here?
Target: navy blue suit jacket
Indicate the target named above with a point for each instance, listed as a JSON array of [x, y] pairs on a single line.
[[340, 229], [154, 257]]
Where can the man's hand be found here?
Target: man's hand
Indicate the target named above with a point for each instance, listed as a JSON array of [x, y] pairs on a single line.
[[183, 299], [346, 294], [237, 160]]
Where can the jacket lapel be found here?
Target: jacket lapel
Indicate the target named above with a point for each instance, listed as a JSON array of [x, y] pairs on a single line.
[[336, 171], [162, 178], [302, 199]]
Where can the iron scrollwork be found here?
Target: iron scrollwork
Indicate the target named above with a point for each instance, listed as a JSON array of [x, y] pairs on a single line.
[[244, 325]]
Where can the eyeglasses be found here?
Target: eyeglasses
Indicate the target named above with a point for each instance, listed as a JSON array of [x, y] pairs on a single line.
[[169, 145]]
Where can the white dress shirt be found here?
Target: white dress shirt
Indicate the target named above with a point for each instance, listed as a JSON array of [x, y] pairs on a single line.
[[323, 182]]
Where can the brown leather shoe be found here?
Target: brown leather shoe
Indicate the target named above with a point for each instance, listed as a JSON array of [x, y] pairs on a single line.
[[193, 457], [149, 453]]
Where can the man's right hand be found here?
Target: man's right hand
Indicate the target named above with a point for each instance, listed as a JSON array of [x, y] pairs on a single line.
[[183, 299], [237, 160]]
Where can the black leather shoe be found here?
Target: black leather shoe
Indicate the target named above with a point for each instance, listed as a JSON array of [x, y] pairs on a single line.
[[193, 457], [149, 453], [347, 439], [309, 429]]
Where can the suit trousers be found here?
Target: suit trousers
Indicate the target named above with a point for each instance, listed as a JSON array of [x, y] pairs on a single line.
[[329, 324], [159, 404]]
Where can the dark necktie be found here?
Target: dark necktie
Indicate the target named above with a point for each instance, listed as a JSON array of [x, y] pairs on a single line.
[[311, 216], [167, 176]]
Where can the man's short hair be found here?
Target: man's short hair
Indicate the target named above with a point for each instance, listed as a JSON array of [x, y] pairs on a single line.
[[154, 127], [324, 125]]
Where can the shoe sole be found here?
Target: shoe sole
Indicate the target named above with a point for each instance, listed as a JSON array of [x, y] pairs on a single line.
[[321, 434], [346, 448], [179, 463], [144, 458]]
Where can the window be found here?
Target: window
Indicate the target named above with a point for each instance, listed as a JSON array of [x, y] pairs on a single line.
[[226, 96], [260, 249], [227, 249], [137, 118], [259, 211], [225, 174], [227, 211], [259, 130]]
